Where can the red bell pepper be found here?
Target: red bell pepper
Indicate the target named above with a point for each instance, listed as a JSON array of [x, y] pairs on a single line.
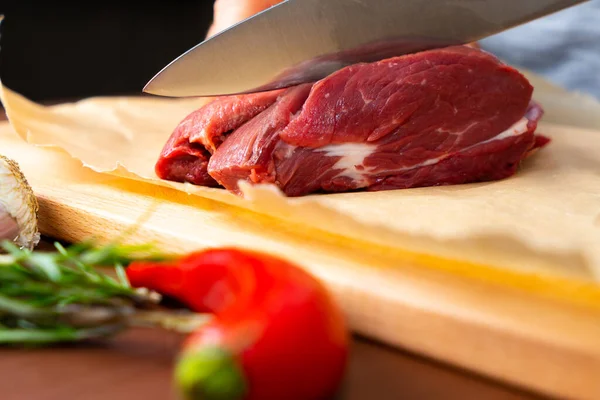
[[276, 332]]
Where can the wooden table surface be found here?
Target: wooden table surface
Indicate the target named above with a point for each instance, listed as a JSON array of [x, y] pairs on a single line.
[[138, 365]]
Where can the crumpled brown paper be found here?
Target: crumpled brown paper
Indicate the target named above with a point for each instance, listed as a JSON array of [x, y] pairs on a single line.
[[545, 220]]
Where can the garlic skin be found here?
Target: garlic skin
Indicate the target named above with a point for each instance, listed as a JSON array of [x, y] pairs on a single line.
[[17, 204], [9, 228]]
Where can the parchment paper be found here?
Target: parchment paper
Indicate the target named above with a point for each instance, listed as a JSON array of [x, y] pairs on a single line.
[[545, 220]]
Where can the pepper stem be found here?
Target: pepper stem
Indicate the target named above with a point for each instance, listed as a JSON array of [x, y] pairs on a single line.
[[210, 374]]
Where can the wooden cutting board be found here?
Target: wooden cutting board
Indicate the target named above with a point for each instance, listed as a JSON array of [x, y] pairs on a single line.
[[541, 343]]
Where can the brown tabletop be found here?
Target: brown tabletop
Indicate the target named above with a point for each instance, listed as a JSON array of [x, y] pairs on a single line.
[[138, 365]]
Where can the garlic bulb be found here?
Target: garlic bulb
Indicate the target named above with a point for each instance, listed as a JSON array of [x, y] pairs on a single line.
[[18, 206]]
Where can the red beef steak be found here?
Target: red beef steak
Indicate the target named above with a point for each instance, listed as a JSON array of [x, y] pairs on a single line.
[[448, 116]]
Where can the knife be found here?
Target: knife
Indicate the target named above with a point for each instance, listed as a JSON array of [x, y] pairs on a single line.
[[301, 41]]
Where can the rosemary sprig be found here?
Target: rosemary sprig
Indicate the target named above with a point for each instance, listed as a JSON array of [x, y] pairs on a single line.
[[63, 295]]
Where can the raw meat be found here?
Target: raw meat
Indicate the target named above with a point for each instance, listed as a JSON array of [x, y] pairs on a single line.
[[447, 116], [185, 156]]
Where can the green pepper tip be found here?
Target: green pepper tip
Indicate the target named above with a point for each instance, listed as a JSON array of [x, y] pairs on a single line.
[[210, 374]]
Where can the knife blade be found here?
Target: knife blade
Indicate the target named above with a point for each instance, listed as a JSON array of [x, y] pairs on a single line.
[[301, 41]]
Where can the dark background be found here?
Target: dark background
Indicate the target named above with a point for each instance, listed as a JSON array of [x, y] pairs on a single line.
[[51, 50]]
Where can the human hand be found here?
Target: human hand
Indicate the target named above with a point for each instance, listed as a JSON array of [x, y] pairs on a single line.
[[230, 12]]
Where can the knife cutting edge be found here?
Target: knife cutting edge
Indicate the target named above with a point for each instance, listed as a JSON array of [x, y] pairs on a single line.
[[301, 41]]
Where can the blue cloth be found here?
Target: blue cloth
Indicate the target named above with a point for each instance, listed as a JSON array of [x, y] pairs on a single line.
[[563, 47]]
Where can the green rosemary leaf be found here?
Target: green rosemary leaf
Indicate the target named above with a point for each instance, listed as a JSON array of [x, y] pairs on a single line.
[[6, 259], [21, 308], [15, 254], [56, 335], [68, 299], [48, 297], [60, 248], [120, 270], [36, 336], [47, 264]]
